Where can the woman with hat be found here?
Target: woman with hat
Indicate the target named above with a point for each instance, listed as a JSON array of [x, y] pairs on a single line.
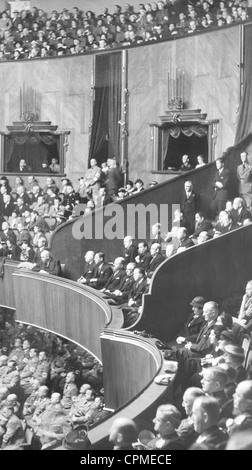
[[195, 323]]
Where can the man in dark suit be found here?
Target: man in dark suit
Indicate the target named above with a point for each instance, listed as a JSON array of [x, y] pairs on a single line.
[[89, 268], [7, 206], [201, 225], [7, 233], [189, 357], [205, 416], [157, 258], [113, 181], [114, 281], [102, 272], [220, 186], [240, 212], [121, 294], [144, 258], [189, 204], [183, 239], [139, 288], [130, 251], [47, 265]]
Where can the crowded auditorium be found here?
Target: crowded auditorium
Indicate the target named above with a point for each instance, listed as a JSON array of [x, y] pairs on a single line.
[[125, 220]]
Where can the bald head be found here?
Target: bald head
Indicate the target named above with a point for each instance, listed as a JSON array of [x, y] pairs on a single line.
[[123, 432]]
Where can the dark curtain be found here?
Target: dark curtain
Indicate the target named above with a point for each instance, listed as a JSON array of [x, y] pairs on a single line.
[[33, 147], [189, 140], [185, 145], [114, 105], [244, 125], [105, 135]]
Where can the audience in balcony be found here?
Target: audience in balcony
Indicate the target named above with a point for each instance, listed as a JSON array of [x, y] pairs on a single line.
[[36, 34]]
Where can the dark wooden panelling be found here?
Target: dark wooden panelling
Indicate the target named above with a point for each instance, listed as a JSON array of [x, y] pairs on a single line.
[[217, 270], [64, 307], [6, 285], [67, 310], [129, 366]]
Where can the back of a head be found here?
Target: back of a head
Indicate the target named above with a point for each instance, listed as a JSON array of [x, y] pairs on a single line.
[[126, 428]]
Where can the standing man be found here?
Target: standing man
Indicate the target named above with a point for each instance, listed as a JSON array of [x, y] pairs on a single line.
[[113, 181], [92, 180], [244, 175], [189, 204], [220, 186]]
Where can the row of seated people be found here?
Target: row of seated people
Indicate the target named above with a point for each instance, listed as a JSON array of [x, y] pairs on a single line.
[[199, 425], [127, 287], [53, 389], [125, 283], [29, 247], [37, 34]]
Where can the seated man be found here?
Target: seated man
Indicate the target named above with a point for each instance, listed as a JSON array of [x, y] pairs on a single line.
[[225, 224], [134, 306], [156, 260], [70, 390], [10, 377], [55, 167], [102, 272], [118, 273], [201, 225], [89, 268], [205, 415], [144, 257], [96, 411], [242, 410], [166, 421], [14, 433], [189, 356], [186, 166], [47, 264], [121, 294], [245, 314], [240, 212], [130, 251], [81, 406], [214, 381], [184, 241], [186, 429], [123, 433], [51, 431]]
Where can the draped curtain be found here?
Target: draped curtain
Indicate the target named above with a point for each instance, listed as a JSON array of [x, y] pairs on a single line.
[[244, 125], [199, 131], [105, 135]]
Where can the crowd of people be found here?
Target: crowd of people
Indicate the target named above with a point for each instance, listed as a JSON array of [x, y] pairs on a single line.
[[36, 33], [212, 387], [48, 386]]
